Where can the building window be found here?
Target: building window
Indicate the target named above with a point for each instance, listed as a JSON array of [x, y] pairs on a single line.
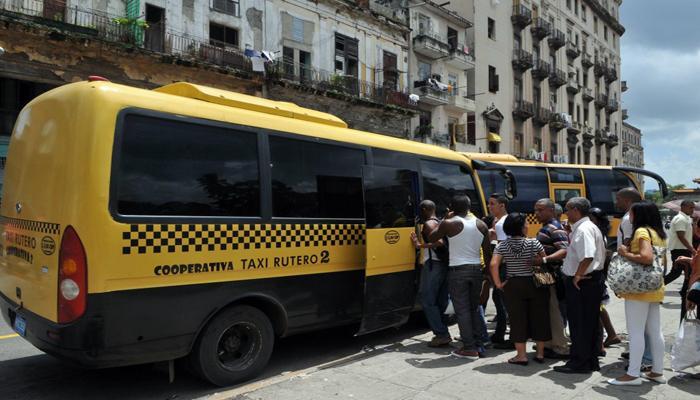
[[492, 29], [518, 144], [576, 7], [346, 55], [297, 63], [583, 12], [595, 25], [471, 129], [493, 79], [222, 36], [424, 70], [452, 38], [605, 32], [568, 4], [231, 7]]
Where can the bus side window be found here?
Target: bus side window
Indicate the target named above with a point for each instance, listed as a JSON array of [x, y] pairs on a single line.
[[315, 180], [442, 180], [602, 185], [532, 185]]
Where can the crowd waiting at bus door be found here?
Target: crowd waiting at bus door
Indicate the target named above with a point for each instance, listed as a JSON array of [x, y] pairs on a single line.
[[542, 284]]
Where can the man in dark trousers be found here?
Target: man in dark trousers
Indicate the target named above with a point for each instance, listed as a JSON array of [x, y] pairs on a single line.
[[583, 270], [468, 237], [432, 290]]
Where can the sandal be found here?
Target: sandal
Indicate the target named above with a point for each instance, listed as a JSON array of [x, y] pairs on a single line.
[[539, 360], [611, 341], [516, 362]]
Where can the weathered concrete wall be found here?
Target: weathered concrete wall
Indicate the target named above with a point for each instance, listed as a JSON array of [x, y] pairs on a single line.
[[358, 115]]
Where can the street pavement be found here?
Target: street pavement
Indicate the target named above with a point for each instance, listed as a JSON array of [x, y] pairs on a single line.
[[333, 364]]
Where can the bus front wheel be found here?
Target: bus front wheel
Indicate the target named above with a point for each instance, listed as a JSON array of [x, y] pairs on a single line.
[[234, 346]]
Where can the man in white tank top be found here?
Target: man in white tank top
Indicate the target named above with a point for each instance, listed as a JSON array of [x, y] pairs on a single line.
[[468, 236]]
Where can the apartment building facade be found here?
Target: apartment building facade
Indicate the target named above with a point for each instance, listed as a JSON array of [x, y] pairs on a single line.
[[547, 79], [439, 64], [632, 149]]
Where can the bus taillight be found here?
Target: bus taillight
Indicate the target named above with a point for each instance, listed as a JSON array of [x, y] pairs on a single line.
[[72, 278]]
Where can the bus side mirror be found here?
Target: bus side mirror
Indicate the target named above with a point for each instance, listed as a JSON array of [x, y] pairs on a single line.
[[511, 187]]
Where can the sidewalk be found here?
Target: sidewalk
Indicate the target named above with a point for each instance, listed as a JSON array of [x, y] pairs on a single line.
[[410, 370]]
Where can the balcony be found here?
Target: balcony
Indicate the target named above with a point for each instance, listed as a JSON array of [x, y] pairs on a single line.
[[601, 101], [522, 60], [396, 14], [459, 103], [587, 133], [572, 50], [557, 122], [610, 75], [522, 16], [586, 94], [522, 110], [572, 86], [557, 77], [540, 70], [317, 79], [623, 86], [601, 136], [431, 45], [429, 94], [574, 128], [540, 28], [612, 141], [600, 69], [625, 114], [542, 116], [586, 60], [461, 58], [612, 106], [557, 40]]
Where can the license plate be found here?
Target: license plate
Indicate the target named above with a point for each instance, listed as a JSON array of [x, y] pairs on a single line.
[[20, 326]]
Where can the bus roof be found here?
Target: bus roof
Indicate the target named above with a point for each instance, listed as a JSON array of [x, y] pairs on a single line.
[[203, 102], [507, 159]]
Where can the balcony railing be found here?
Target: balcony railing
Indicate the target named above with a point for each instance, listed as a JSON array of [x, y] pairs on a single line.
[[601, 100], [523, 109], [542, 116], [612, 106], [623, 86], [574, 127], [461, 57], [522, 16], [600, 69], [118, 29], [625, 114], [572, 50], [586, 60], [540, 69], [431, 44], [572, 86], [430, 94], [541, 28], [612, 141], [318, 79], [587, 94], [557, 122], [398, 14], [601, 136], [557, 39], [587, 132], [557, 77], [610, 75], [522, 60]]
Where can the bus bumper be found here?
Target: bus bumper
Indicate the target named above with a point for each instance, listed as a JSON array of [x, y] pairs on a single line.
[[81, 342]]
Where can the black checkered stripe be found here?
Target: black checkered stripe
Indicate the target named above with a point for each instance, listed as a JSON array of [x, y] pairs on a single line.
[[171, 238], [34, 226], [532, 219]]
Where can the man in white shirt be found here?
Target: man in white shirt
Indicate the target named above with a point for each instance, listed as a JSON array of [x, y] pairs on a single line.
[[680, 242], [583, 270]]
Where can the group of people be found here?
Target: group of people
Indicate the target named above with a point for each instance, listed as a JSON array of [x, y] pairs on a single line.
[[541, 285]]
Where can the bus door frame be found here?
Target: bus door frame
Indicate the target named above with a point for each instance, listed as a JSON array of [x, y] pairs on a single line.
[[553, 187], [390, 257]]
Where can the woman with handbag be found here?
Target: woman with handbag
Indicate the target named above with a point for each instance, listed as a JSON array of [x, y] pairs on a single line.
[[642, 310], [525, 288]]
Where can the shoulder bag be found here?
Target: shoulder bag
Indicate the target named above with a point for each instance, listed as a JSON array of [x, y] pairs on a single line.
[[627, 277], [540, 276]]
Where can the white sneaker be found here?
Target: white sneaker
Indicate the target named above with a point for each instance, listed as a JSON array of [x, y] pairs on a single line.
[[633, 382], [657, 379]]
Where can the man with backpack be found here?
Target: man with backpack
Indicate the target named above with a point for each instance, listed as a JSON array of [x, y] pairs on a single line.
[[432, 290]]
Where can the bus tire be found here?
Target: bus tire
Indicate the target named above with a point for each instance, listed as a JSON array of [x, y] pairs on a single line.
[[234, 346]]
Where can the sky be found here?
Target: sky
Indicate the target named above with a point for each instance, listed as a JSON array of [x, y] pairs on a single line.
[[660, 53]]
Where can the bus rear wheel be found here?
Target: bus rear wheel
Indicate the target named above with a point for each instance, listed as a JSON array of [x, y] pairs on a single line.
[[235, 346]]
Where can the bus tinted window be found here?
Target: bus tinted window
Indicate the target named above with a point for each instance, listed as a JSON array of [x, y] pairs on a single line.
[[601, 186], [391, 196], [396, 159], [315, 180], [491, 182], [442, 180], [565, 175], [532, 186], [178, 168]]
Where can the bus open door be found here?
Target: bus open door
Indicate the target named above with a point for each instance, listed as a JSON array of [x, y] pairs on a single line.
[[391, 203]]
